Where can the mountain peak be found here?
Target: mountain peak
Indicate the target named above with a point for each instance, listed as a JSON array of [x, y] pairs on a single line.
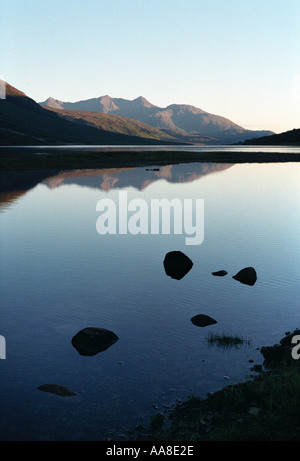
[[142, 101], [52, 102], [106, 97], [108, 103]]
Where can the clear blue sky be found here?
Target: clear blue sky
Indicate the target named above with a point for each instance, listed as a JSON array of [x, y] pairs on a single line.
[[235, 58]]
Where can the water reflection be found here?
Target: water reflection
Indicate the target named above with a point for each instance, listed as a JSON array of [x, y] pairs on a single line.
[[138, 178], [14, 185]]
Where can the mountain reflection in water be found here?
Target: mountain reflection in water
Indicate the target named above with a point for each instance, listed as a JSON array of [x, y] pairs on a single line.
[[139, 178], [13, 185]]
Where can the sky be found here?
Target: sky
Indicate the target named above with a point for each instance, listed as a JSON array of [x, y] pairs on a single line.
[[236, 58]]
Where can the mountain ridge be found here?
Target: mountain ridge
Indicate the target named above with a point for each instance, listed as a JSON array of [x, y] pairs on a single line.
[[180, 121], [25, 122]]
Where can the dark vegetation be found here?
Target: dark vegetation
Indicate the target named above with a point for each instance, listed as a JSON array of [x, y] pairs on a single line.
[[265, 407], [16, 160]]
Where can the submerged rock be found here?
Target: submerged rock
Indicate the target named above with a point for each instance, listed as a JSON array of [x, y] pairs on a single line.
[[202, 320], [57, 389], [220, 273], [246, 275], [92, 340], [177, 264]]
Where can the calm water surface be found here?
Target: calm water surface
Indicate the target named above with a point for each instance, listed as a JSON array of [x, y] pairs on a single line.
[[171, 148], [58, 275]]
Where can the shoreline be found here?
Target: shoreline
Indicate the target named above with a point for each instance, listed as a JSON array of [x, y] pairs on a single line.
[[21, 161], [263, 407]]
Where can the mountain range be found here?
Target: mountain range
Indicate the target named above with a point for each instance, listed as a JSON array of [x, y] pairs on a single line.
[[117, 121], [184, 123], [25, 122]]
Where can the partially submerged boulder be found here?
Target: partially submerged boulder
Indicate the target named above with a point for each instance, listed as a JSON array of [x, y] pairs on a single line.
[[247, 276], [57, 389], [177, 264], [220, 273], [280, 354], [202, 320], [92, 340]]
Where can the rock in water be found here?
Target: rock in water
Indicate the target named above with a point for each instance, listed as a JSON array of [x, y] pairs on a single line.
[[246, 275], [56, 389], [177, 264], [202, 320], [91, 340], [280, 354], [220, 273]]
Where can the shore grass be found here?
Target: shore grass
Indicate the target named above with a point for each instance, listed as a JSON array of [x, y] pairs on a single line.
[[225, 340], [264, 407], [21, 160]]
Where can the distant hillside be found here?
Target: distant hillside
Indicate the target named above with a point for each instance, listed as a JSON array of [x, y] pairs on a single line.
[[25, 122], [288, 138], [114, 123], [183, 122]]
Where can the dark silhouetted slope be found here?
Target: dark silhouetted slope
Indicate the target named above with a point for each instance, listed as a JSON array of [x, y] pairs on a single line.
[[288, 138]]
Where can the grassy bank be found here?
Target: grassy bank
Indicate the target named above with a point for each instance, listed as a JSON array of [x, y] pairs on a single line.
[[265, 407], [20, 160]]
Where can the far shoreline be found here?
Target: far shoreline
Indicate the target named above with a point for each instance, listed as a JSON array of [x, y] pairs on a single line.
[[15, 158]]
